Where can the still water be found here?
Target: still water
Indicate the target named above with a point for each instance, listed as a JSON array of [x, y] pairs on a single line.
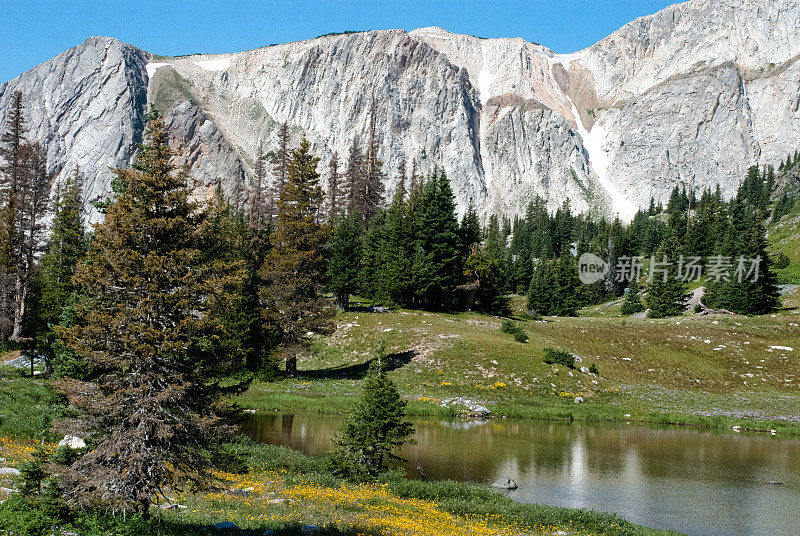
[[699, 483]]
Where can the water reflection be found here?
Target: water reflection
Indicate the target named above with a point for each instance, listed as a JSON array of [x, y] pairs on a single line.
[[700, 483]]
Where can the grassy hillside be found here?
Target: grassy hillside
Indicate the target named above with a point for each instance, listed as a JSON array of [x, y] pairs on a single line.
[[784, 237], [711, 371]]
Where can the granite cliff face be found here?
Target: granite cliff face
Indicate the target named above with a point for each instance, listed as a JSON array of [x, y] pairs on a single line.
[[691, 95]]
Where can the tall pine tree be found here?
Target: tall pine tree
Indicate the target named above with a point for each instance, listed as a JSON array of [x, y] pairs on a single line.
[[154, 402], [666, 295], [292, 275], [66, 248], [437, 267], [344, 262]]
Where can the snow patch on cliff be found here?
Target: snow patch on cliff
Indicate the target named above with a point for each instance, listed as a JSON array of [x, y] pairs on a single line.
[[153, 67], [600, 160], [485, 77], [214, 65]]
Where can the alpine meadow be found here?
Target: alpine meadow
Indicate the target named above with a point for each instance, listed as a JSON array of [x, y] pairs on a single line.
[[403, 282]]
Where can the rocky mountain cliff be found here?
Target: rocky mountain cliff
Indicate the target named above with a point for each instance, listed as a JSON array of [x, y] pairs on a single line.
[[691, 95]]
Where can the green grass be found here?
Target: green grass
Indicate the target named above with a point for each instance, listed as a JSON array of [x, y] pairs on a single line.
[[652, 370], [27, 405], [784, 237]]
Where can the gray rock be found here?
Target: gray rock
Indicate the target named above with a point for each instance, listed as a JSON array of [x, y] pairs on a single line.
[[470, 407], [172, 507], [226, 525], [73, 442], [690, 95], [238, 492], [579, 400], [9, 471], [281, 500], [309, 529], [504, 483]]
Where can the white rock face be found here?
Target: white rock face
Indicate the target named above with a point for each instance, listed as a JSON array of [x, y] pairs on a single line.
[[691, 95], [87, 107]]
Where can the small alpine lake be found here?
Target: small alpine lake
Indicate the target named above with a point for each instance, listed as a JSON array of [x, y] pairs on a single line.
[[702, 483]]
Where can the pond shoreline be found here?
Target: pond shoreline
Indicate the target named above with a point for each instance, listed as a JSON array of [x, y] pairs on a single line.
[[589, 412], [652, 475]]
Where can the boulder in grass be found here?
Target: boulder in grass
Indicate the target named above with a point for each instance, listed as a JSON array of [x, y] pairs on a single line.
[[73, 442], [9, 471], [309, 529], [226, 525]]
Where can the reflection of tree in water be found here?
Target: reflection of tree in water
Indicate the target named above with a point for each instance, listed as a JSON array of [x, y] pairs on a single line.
[[287, 421], [651, 474], [477, 451]]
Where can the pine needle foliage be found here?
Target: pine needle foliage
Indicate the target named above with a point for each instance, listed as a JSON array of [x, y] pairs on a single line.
[[291, 300], [375, 428], [148, 324]]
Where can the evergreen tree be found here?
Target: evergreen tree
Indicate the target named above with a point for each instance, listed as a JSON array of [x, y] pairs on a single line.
[[23, 201], [540, 292], [666, 295], [154, 403], [495, 249], [372, 261], [397, 252], [750, 286], [632, 303], [280, 166], [354, 177], [344, 262], [34, 205], [484, 282], [372, 191], [401, 176], [334, 187], [437, 263], [66, 248], [224, 246], [12, 147], [375, 428], [565, 294], [470, 230], [259, 204], [365, 175], [293, 271]]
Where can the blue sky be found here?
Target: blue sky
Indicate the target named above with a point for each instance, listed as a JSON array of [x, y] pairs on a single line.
[[34, 31]]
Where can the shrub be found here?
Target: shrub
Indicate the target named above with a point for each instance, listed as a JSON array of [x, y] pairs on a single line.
[[781, 261], [593, 368], [513, 329], [558, 357], [531, 314], [23, 517]]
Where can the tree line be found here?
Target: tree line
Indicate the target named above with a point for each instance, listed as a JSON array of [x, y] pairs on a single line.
[[154, 317]]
